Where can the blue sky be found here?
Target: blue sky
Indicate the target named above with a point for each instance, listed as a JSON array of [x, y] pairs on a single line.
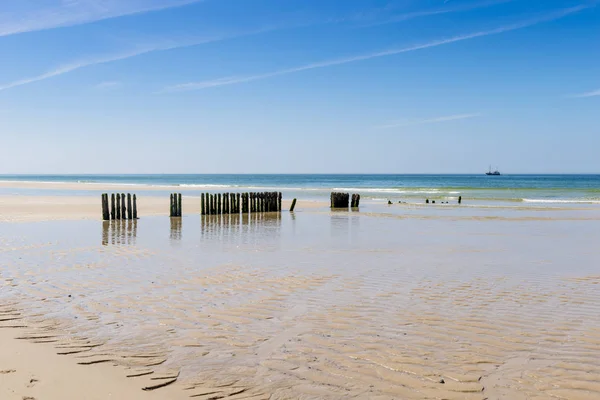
[[293, 86]]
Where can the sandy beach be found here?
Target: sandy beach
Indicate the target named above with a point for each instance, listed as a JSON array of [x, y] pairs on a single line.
[[397, 302], [49, 208]]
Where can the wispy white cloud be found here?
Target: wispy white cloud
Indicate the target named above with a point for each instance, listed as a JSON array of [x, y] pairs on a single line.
[[19, 16], [108, 85], [428, 121], [438, 11], [72, 67], [593, 93], [145, 49], [507, 28]]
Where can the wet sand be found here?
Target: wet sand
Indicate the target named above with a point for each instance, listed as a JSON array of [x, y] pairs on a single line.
[[49, 208], [386, 303]]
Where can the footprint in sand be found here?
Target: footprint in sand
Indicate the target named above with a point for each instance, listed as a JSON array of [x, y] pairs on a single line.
[[28, 398], [7, 371], [32, 382]]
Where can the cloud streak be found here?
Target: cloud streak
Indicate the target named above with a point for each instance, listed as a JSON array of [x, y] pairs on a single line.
[[428, 121], [439, 11], [593, 93], [28, 18], [140, 50], [507, 28], [108, 85]]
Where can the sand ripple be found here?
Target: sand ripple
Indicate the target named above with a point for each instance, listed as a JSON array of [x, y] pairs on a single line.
[[268, 308]]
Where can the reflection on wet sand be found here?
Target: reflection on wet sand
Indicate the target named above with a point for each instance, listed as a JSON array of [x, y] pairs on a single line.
[[320, 306], [239, 225], [119, 232], [175, 231]]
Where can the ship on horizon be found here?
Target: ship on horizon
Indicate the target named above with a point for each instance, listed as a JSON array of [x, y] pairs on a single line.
[[493, 173]]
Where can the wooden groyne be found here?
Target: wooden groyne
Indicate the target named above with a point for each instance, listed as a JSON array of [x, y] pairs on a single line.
[[240, 203], [175, 209], [119, 207], [342, 200]]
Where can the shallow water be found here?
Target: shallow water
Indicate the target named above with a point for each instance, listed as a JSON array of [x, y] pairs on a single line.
[[384, 303]]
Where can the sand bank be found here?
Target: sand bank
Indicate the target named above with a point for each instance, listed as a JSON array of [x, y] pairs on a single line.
[[95, 186], [30, 371], [49, 208]]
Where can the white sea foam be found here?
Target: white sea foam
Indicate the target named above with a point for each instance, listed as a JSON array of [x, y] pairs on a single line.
[[203, 185], [397, 191], [562, 201]]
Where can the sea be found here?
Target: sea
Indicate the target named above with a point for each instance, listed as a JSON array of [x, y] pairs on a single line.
[[480, 188]]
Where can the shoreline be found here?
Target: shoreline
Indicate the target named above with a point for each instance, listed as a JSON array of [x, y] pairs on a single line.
[[376, 195], [16, 208]]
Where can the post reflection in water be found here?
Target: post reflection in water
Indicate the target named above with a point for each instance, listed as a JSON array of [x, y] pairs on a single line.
[[229, 226], [119, 232], [176, 225], [345, 224]]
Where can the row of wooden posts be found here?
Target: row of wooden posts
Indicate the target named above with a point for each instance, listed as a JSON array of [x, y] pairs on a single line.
[[342, 200], [235, 203], [175, 209], [121, 207]]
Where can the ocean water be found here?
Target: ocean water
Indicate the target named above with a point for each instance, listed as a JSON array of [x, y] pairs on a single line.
[[532, 189]]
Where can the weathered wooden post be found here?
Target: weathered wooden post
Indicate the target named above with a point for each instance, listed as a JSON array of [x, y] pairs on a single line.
[[129, 207], [340, 200], [427, 201], [123, 207], [280, 197], [459, 199], [202, 204], [293, 205], [237, 203], [171, 208], [118, 204], [104, 206], [179, 208], [112, 207], [267, 202], [219, 208], [103, 199], [135, 207]]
